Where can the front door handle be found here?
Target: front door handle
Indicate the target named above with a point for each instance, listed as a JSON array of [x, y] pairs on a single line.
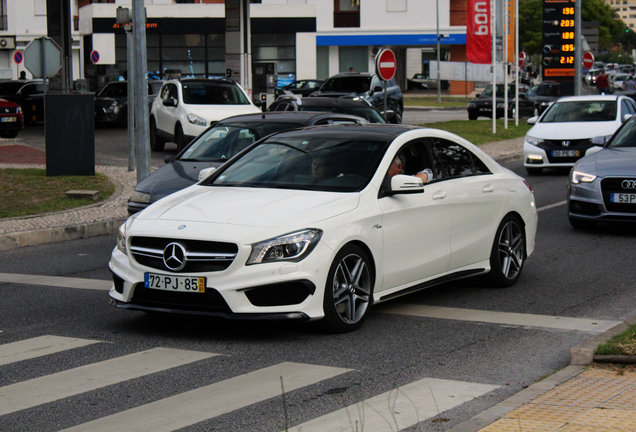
[[488, 188], [439, 195]]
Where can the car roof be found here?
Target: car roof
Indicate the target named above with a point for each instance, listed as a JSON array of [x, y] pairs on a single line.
[[376, 131], [589, 98], [317, 101], [203, 81], [352, 74], [299, 117]]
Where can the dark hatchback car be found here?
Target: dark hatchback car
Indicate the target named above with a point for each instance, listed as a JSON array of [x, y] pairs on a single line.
[[299, 87], [11, 119], [546, 93], [368, 87], [220, 143], [111, 102], [482, 105], [342, 105], [29, 94]]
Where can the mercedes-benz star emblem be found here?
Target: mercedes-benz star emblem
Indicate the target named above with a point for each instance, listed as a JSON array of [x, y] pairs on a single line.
[[174, 256], [565, 143], [629, 184]]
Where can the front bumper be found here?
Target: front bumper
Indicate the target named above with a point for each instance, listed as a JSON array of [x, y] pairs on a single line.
[[591, 202], [537, 157]]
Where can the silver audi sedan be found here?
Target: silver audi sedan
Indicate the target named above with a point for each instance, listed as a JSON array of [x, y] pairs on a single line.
[[602, 185]]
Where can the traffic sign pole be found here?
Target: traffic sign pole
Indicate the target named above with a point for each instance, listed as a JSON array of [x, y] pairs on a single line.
[[385, 67]]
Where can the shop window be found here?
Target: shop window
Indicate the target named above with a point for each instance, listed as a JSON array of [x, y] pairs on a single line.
[[346, 13], [3, 15]]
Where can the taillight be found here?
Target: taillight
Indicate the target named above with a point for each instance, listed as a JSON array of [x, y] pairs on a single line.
[[525, 182]]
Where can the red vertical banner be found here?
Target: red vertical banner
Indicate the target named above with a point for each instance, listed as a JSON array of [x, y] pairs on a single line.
[[478, 32]]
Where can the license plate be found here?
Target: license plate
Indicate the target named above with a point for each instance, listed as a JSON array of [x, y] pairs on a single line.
[[623, 198], [174, 283], [565, 153], [8, 120]]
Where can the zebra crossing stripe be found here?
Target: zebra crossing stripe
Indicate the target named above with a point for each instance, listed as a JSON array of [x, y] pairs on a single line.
[[38, 347], [28, 394], [207, 402], [57, 281], [400, 408], [494, 317]]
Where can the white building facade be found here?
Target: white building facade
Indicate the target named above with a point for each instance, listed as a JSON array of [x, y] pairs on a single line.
[[303, 38]]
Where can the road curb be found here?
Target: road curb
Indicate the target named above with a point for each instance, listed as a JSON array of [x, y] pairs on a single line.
[[581, 356], [430, 108]]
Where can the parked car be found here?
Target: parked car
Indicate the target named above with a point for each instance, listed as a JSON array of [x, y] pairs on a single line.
[[344, 105], [602, 186], [29, 94], [311, 224], [11, 119], [592, 74], [217, 145], [616, 81], [186, 108], [299, 87], [111, 102], [570, 127], [482, 105], [369, 87], [424, 82], [546, 93]]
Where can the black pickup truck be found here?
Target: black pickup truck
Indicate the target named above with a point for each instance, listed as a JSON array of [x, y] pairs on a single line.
[[369, 87]]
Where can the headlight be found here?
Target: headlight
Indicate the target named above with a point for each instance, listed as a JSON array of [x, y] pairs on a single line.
[[121, 234], [289, 247], [501, 105], [577, 177], [472, 105], [533, 140], [545, 104], [196, 120], [600, 140], [114, 106], [141, 197]]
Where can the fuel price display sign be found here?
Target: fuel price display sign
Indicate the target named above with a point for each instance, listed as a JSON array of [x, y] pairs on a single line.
[[558, 39]]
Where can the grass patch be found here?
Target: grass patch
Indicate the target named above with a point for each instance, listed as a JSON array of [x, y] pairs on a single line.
[[480, 131], [447, 102], [621, 344], [28, 191]]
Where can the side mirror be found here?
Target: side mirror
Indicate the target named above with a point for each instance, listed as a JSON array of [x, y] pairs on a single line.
[[169, 158], [206, 172], [593, 149], [377, 89], [627, 117], [533, 120], [169, 102], [404, 184]]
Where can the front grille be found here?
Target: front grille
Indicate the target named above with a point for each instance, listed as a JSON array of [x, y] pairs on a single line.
[[201, 256], [209, 301], [581, 145], [613, 185]]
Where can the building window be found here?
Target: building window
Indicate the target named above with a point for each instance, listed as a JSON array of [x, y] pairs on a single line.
[[279, 48], [346, 13], [396, 5]]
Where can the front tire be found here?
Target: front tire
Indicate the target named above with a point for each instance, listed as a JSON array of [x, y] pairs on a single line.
[[508, 253], [179, 138], [472, 116], [348, 291], [397, 117], [156, 142]]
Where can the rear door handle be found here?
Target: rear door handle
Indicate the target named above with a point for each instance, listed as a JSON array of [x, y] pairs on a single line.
[[439, 195]]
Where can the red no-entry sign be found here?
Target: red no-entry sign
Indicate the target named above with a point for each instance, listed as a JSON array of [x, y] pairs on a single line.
[[588, 60], [522, 58], [385, 64]]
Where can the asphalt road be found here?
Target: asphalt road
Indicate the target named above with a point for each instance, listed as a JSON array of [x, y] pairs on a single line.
[[585, 278]]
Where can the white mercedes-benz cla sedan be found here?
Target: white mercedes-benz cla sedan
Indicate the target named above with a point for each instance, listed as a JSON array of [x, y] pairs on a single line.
[[322, 222]]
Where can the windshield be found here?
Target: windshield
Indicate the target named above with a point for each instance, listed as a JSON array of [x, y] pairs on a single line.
[[580, 111], [347, 84], [500, 90], [201, 93], [114, 90], [222, 142], [342, 162], [625, 137], [10, 88], [547, 90]]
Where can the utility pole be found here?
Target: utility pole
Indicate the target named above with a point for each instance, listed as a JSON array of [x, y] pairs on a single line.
[[578, 46], [142, 135]]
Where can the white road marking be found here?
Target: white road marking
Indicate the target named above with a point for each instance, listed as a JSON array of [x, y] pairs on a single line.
[[517, 319], [400, 408], [57, 281], [28, 394], [557, 204], [38, 347], [207, 402]]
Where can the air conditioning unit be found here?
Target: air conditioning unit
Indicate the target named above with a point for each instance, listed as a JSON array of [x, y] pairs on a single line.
[[7, 43]]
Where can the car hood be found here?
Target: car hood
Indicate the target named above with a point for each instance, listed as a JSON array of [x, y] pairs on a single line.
[[572, 131], [610, 162], [172, 177], [256, 207], [106, 101], [219, 112]]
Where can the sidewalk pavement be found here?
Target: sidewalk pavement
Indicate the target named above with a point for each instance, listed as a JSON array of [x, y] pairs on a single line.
[[574, 399]]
